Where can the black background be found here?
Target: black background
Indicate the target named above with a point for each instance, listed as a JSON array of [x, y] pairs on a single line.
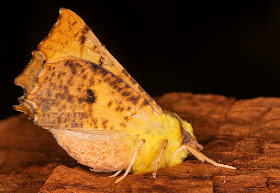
[[230, 48]]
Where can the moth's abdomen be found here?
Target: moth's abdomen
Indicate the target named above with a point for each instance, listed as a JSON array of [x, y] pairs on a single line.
[[100, 152]]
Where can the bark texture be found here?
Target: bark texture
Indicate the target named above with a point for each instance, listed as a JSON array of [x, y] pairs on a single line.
[[241, 133]]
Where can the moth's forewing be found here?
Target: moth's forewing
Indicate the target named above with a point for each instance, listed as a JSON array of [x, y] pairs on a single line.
[[79, 95], [70, 36]]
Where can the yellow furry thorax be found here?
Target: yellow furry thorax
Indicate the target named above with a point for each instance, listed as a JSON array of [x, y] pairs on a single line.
[[173, 131]]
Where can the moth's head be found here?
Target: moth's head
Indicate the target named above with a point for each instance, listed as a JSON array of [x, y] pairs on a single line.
[[187, 134]]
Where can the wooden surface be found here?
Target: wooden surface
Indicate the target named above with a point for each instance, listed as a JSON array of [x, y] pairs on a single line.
[[242, 133]]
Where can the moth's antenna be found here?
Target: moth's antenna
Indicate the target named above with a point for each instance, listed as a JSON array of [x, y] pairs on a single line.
[[200, 156]]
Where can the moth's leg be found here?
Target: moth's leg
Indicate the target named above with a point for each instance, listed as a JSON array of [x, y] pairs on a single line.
[[116, 174], [203, 158], [158, 158], [182, 148], [131, 162]]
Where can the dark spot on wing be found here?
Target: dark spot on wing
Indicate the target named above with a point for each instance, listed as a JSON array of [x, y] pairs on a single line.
[[126, 118], [84, 31], [132, 80], [145, 102], [70, 26], [109, 104], [70, 81], [125, 93], [83, 70], [107, 79], [66, 89], [74, 125], [115, 82], [45, 105], [49, 93], [104, 124], [59, 119], [94, 47], [91, 98], [101, 61], [94, 120], [53, 74], [119, 108], [69, 98], [125, 72], [118, 101], [123, 125], [82, 39], [84, 77], [71, 65], [134, 99]]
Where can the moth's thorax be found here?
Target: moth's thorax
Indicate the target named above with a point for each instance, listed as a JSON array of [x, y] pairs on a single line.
[[169, 130], [100, 151]]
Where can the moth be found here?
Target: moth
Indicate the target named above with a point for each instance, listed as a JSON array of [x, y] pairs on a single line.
[[75, 89]]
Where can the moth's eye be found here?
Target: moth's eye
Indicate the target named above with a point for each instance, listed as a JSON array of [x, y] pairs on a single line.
[[187, 137]]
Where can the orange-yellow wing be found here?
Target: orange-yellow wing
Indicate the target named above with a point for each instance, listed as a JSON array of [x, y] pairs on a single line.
[[72, 93], [28, 80], [71, 37]]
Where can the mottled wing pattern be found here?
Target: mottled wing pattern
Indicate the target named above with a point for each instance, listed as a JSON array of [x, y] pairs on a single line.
[[28, 80], [77, 94], [71, 37]]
